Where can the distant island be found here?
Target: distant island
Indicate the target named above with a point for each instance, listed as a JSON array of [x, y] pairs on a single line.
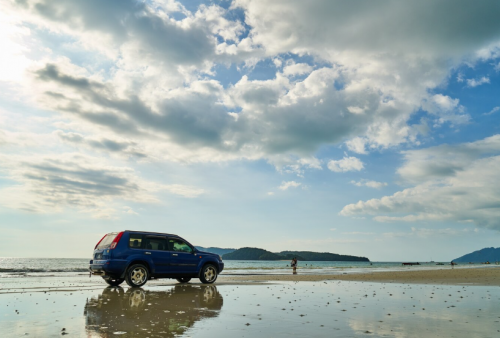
[[480, 256], [218, 251], [264, 255]]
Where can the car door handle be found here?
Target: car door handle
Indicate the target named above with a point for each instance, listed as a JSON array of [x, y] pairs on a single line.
[[175, 255], [148, 253]]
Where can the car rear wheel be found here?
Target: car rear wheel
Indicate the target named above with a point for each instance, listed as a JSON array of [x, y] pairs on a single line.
[[113, 281], [183, 279], [208, 274], [137, 275]]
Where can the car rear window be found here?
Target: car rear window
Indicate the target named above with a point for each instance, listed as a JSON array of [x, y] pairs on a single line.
[[106, 241], [156, 243]]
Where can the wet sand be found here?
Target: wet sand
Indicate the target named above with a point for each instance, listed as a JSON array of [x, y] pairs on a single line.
[[448, 303], [447, 276]]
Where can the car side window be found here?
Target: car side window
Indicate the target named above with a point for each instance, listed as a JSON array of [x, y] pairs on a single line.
[[178, 245], [155, 243], [135, 241]]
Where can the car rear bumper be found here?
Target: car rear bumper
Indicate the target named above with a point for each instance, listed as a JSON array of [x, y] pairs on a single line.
[[221, 266], [107, 267]]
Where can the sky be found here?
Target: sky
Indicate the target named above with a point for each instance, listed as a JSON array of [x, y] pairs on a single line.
[[366, 128]]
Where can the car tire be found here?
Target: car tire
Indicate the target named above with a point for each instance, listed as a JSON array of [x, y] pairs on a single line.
[[137, 275], [208, 274], [113, 281], [183, 279]]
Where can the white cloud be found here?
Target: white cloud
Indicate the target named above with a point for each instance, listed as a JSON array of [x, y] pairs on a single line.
[[346, 164], [369, 184], [356, 110], [48, 184], [445, 160], [158, 87], [474, 83], [452, 183], [290, 184], [129, 210], [492, 111], [357, 145], [149, 88], [297, 69]]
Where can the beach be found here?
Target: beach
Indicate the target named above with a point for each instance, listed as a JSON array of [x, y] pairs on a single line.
[[460, 302], [460, 275]]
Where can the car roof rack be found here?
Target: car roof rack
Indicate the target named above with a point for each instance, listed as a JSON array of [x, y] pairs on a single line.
[[149, 232]]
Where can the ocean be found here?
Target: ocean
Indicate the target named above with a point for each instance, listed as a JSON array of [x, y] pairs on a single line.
[[10, 267]]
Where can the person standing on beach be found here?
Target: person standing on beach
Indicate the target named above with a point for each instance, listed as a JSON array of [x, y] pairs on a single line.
[[452, 264], [293, 264]]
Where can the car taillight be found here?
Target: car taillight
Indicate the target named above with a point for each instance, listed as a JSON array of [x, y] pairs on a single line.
[[116, 240], [99, 242]]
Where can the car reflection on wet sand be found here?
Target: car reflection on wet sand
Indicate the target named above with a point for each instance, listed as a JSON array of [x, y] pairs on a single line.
[[153, 313]]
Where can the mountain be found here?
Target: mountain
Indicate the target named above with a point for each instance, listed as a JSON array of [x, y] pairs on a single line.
[[261, 254], [480, 256], [218, 251], [253, 254], [323, 256]]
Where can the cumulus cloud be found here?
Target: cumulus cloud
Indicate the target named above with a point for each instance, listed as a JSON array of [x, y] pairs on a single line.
[[370, 184], [290, 184], [149, 89], [346, 164], [363, 87], [125, 28], [297, 69], [357, 145], [474, 83], [445, 160], [451, 183]]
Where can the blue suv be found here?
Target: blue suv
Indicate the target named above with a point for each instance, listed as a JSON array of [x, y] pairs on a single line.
[[137, 256]]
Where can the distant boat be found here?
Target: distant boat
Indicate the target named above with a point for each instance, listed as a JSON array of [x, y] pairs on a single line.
[[439, 263], [411, 263]]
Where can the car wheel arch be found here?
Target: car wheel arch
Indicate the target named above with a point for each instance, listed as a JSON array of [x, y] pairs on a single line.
[[205, 264]]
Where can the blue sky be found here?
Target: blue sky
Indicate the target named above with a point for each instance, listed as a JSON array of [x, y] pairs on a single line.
[[368, 128]]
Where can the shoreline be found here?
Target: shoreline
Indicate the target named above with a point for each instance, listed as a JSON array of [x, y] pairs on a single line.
[[456, 276], [464, 275]]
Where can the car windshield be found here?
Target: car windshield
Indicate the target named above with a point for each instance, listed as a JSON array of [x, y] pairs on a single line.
[[106, 241]]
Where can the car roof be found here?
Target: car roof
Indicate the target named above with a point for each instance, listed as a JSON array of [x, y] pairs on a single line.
[[148, 232]]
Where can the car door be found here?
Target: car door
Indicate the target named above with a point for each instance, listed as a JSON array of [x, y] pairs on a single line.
[[157, 248], [183, 259]]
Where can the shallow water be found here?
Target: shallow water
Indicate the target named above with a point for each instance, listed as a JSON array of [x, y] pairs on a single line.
[[85, 308], [63, 266]]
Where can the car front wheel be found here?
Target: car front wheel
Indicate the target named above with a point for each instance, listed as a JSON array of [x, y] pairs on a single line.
[[208, 274], [137, 275]]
